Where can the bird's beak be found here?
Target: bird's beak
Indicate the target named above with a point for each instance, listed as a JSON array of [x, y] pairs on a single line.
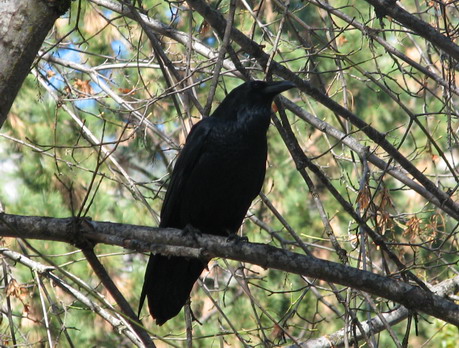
[[276, 87]]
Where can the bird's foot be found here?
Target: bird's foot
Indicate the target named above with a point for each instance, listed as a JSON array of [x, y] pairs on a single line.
[[77, 226], [234, 238], [194, 232]]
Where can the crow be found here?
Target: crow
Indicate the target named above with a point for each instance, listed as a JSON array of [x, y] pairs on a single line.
[[218, 173]]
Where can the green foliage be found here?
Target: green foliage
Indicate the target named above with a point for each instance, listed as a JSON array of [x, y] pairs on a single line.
[[52, 166]]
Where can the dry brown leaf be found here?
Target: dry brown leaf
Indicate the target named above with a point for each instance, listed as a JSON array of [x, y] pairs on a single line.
[[342, 40], [84, 86], [125, 90], [364, 197], [413, 228], [384, 199], [204, 29], [14, 289]]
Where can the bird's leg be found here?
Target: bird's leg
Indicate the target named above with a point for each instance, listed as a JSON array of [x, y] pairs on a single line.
[[77, 226]]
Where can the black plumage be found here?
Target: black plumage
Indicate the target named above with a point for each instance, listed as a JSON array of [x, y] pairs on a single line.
[[217, 175]]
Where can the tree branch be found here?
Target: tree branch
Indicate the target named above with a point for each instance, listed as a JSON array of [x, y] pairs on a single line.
[[119, 324], [390, 8], [375, 324], [169, 32], [373, 34], [174, 242], [102, 274]]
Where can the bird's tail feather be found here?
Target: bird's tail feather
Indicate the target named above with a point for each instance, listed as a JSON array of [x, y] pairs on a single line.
[[168, 283]]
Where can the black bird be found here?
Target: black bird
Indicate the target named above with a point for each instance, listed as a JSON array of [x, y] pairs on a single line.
[[217, 175]]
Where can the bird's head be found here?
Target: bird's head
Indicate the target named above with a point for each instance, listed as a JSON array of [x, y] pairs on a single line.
[[250, 98], [262, 91]]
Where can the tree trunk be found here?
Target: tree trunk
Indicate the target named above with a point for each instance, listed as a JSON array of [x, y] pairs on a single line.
[[23, 27]]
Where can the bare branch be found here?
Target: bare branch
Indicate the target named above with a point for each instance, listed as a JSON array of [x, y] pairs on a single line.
[[376, 324], [173, 242], [44, 270], [390, 8]]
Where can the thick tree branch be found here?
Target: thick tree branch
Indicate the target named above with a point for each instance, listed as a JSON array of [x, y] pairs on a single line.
[[174, 242], [23, 27]]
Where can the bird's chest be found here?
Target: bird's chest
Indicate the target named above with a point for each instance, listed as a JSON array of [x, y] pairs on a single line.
[[237, 156], [228, 177]]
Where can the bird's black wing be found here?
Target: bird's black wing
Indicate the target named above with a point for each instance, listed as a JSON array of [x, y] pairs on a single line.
[[187, 160], [170, 212]]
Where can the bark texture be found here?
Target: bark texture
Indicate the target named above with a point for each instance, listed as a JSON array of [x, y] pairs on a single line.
[[23, 28]]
